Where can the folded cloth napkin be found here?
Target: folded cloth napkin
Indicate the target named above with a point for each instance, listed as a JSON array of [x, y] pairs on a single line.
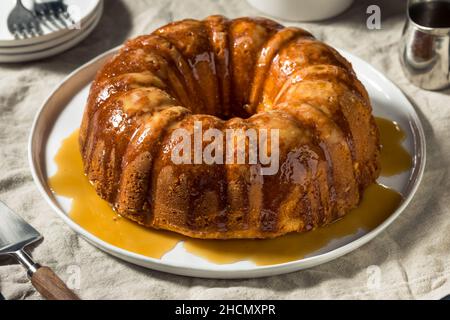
[[411, 259]]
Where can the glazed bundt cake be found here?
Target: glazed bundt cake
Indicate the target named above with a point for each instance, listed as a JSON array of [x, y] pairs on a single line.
[[241, 74]]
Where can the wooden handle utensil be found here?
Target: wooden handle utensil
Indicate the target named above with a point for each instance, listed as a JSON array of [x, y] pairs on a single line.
[[46, 282]]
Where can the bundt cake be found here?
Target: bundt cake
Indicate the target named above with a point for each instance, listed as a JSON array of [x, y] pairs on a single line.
[[229, 75]]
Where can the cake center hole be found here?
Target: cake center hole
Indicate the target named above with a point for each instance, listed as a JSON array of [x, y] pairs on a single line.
[[235, 111]]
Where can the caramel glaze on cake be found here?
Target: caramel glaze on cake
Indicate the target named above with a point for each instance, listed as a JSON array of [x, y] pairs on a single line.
[[229, 74]]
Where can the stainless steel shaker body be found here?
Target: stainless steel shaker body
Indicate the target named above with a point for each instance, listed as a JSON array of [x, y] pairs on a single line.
[[425, 44]]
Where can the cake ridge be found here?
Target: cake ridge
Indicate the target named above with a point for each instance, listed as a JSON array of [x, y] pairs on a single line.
[[171, 53], [196, 50], [271, 48]]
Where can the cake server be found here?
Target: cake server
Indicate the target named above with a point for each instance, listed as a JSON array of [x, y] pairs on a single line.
[[15, 235]]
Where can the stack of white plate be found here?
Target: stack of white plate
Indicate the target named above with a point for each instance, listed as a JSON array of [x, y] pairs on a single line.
[[55, 38]]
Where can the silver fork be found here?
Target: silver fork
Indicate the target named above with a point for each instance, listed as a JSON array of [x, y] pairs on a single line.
[[22, 22], [52, 11]]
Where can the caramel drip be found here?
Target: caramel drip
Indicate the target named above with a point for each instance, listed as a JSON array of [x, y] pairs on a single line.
[[348, 66], [310, 157], [338, 98], [330, 178], [247, 37], [393, 159], [328, 104], [329, 138], [219, 183], [201, 189], [109, 119], [344, 125], [218, 34], [98, 96], [104, 159], [97, 217], [307, 214], [297, 171], [128, 110]]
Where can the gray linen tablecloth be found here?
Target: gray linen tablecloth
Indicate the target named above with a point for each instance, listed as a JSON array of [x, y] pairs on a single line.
[[411, 259]]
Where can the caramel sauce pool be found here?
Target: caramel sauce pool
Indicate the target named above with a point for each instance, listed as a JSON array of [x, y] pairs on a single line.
[[96, 216], [394, 158]]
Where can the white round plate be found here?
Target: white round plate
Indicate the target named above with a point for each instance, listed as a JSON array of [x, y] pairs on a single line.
[[54, 50], [40, 46], [61, 114], [84, 10]]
